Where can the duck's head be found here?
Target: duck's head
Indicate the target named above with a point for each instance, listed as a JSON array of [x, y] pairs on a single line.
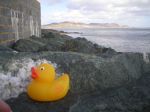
[[44, 73]]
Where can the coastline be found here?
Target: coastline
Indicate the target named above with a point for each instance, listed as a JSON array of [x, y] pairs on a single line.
[[101, 78], [122, 40]]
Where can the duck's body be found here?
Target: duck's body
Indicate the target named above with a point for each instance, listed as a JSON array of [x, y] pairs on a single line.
[[49, 90]]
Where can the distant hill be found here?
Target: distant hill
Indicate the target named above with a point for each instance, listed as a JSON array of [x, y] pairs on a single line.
[[67, 24]]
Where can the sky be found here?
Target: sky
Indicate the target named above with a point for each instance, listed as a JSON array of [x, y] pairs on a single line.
[[134, 13]]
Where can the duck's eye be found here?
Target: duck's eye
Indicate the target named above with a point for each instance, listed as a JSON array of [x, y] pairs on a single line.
[[42, 68]]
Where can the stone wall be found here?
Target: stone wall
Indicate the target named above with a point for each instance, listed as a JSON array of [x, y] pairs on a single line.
[[19, 19]]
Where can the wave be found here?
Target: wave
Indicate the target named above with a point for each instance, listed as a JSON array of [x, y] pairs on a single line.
[[15, 79]]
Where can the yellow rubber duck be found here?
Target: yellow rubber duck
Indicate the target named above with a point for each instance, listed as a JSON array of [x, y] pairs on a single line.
[[44, 86]]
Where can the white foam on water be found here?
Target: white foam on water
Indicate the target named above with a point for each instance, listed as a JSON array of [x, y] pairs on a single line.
[[15, 80]]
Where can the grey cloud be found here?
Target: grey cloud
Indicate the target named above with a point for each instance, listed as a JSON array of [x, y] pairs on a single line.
[[92, 6], [130, 6], [51, 2], [145, 12]]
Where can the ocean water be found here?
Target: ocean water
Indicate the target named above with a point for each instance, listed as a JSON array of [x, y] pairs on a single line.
[[122, 40]]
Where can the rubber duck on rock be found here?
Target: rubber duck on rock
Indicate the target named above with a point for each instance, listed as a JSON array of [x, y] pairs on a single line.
[[44, 86]]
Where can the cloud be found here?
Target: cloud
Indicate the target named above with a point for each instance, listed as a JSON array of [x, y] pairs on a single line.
[[50, 2], [100, 11], [111, 6], [71, 15]]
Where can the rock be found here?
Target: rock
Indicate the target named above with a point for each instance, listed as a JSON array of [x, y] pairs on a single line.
[[51, 41], [119, 83], [28, 105], [5, 49], [56, 46], [49, 44], [82, 45], [107, 52], [133, 97], [49, 33], [102, 80], [5, 57], [27, 45], [91, 73], [55, 41]]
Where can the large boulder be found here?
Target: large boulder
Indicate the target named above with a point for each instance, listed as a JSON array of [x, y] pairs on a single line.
[[130, 98], [53, 40], [91, 73], [82, 45], [133, 97], [50, 41], [101, 80], [98, 84], [27, 45]]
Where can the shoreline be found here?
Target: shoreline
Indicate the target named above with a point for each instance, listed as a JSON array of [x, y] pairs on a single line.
[[121, 40], [101, 78]]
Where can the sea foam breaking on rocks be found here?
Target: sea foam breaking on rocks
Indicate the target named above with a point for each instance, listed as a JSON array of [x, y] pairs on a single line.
[[14, 81]]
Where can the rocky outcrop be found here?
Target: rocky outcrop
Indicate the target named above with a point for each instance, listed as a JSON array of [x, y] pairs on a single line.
[[51, 41], [56, 41], [82, 45], [27, 45], [97, 84], [102, 80], [90, 73], [132, 98]]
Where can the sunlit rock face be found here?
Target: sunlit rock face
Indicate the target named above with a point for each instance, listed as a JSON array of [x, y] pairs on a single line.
[[19, 19]]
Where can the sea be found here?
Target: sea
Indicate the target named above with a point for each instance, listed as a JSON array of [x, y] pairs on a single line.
[[120, 39]]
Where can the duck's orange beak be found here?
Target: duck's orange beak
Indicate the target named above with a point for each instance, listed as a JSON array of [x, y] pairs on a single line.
[[34, 73]]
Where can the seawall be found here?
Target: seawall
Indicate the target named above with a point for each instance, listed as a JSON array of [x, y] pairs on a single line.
[[19, 19]]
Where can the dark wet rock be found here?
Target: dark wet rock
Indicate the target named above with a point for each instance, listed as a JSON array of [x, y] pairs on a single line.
[[118, 83], [82, 45], [49, 33], [51, 41], [90, 73], [5, 57], [134, 97], [107, 52], [28, 105], [55, 41], [56, 46], [26, 45], [5, 48], [79, 45], [98, 84]]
